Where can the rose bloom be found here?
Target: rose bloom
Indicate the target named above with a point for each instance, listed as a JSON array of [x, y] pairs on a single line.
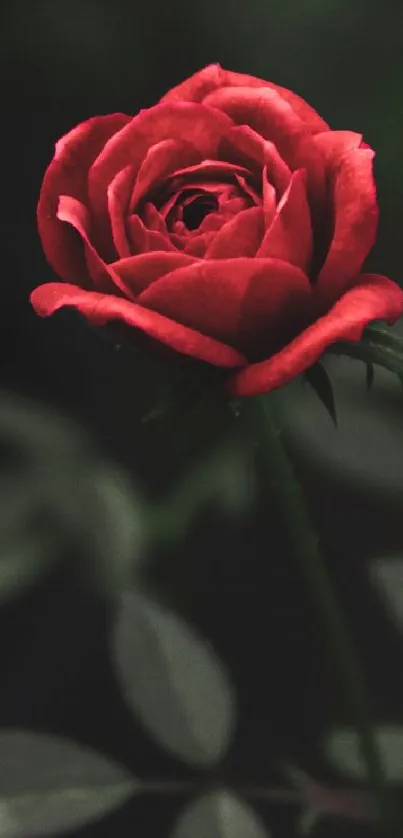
[[228, 223]]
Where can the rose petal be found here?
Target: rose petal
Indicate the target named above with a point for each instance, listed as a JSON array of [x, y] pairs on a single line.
[[154, 220], [76, 214], [187, 191], [232, 206], [213, 222], [212, 77], [211, 296], [102, 308], [334, 145], [201, 197], [172, 121], [143, 240], [373, 297], [289, 236], [269, 200], [162, 160], [241, 236], [250, 191], [195, 242], [272, 117], [137, 272], [277, 170], [216, 171], [119, 193], [67, 175], [355, 224], [191, 189], [139, 235], [197, 246], [246, 147]]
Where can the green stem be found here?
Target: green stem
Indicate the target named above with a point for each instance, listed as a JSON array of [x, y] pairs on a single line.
[[304, 543]]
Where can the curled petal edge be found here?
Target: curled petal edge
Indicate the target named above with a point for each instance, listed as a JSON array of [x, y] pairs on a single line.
[[100, 309], [373, 297]]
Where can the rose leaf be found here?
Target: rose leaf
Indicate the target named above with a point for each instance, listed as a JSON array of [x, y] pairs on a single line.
[[172, 681], [49, 785], [219, 815]]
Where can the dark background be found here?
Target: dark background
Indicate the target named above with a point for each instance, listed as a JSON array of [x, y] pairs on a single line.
[[60, 64]]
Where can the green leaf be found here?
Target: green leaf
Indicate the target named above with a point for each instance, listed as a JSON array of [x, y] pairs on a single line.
[[342, 748], [113, 528], [378, 345], [319, 380], [49, 785], [220, 814], [38, 444], [54, 487], [173, 681]]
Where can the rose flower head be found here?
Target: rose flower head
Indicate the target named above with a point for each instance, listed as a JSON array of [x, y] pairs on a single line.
[[228, 222]]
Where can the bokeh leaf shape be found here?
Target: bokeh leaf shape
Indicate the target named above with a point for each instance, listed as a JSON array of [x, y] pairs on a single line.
[[49, 785], [342, 748], [112, 528], [387, 576], [30, 438], [57, 491], [219, 814], [172, 681]]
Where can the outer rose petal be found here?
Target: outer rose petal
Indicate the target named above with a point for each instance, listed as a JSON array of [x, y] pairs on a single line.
[[76, 214], [289, 236], [373, 297], [138, 272], [102, 308], [212, 295], [355, 225], [212, 77], [334, 145], [67, 175]]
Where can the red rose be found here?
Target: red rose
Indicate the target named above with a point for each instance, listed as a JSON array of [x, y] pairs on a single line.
[[227, 222]]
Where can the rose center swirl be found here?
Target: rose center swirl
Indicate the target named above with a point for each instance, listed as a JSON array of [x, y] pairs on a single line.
[[186, 200], [193, 207]]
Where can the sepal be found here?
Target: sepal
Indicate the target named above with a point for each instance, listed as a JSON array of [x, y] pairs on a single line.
[[317, 376]]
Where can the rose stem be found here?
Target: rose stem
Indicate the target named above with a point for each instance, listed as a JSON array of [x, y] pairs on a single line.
[[304, 542]]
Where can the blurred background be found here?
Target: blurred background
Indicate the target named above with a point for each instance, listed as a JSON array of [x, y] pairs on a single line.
[[230, 576]]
